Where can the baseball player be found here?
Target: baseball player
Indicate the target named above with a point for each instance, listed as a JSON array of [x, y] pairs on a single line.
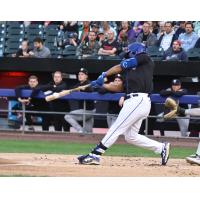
[[177, 110], [138, 72]]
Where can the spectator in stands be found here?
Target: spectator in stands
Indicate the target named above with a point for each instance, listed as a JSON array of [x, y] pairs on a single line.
[[89, 48], [161, 29], [100, 37], [33, 104], [83, 32], [189, 38], [155, 27], [95, 27], [125, 30], [146, 37], [58, 105], [176, 53], [24, 50], [114, 107], [177, 91], [134, 31], [166, 40], [137, 27], [123, 45], [106, 28], [39, 51], [72, 40], [73, 120], [181, 28], [69, 26], [110, 46]]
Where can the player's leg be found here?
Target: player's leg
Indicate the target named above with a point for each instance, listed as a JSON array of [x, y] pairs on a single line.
[[131, 113], [134, 138], [194, 159]]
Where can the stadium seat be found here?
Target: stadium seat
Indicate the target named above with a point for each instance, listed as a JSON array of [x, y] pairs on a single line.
[[50, 45], [51, 32], [51, 27], [156, 53], [8, 51], [1, 49], [50, 38], [14, 24], [34, 32], [15, 32], [15, 38], [55, 53], [2, 33], [12, 44], [69, 50], [35, 26], [2, 27], [193, 54], [30, 38]]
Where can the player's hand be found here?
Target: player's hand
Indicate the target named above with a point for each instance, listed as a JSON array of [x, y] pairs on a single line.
[[100, 80], [121, 101]]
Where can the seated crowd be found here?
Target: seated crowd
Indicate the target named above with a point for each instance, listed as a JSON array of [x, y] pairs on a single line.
[[110, 39]]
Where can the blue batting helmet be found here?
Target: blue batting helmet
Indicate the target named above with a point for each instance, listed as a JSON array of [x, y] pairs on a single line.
[[136, 48]]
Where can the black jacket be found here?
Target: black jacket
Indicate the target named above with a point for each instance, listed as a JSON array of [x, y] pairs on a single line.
[[58, 105], [39, 103]]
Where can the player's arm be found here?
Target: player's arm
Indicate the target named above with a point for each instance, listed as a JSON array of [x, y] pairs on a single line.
[[112, 87], [125, 64]]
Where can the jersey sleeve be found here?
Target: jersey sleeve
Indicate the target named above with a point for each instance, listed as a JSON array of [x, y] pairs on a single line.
[[129, 63]]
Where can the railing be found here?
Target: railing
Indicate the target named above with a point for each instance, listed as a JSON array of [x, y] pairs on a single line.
[[155, 98]]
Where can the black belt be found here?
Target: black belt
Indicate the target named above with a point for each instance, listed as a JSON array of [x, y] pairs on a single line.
[[128, 96]]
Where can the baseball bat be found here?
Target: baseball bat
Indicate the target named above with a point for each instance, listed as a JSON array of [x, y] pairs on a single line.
[[65, 92]]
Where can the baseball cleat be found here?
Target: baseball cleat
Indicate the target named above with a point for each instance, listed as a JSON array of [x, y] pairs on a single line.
[[165, 153], [193, 159], [89, 159]]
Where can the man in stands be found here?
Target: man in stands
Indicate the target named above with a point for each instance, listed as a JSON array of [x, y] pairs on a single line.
[[166, 40], [146, 37], [40, 51], [189, 38], [176, 53], [89, 48], [110, 46]]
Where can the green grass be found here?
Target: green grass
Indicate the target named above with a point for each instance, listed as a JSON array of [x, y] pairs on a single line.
[[52, 147]]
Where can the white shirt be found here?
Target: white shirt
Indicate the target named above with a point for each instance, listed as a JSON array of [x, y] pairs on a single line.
[[166, 40]]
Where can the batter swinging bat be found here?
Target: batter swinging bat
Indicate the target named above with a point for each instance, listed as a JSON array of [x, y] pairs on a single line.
[[64, 93]]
